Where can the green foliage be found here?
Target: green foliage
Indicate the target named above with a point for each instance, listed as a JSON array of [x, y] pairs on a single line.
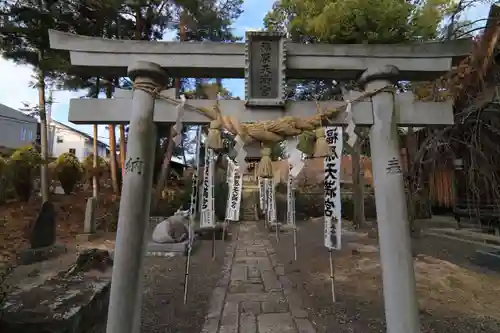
[[359, 21], [354, 21], [90, 171], [5, 271], [3, 179], [23, 165], [69, 171]]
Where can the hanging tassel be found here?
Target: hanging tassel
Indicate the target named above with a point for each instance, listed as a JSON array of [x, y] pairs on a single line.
[[321, 148], [214, 139], [306, 142], [265, 166]]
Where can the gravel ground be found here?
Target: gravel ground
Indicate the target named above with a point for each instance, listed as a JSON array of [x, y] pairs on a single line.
[[443, 287], [163, 308]]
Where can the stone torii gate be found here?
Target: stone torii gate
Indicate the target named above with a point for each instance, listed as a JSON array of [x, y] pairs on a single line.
[[265, 60]]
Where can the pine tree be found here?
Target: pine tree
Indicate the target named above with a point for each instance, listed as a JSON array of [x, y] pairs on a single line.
[[24, 40]]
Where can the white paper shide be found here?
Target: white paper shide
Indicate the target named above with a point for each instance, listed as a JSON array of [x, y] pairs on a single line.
[[207, 211], [333, 226]]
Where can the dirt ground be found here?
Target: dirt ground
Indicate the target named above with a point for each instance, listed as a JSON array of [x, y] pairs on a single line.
[[16, 218], [163, 307], [454, 296]]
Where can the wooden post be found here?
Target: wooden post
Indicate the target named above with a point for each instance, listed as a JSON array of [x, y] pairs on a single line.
[[358, 185]]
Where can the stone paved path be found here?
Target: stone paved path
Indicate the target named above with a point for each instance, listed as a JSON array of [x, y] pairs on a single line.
[[254, 296]]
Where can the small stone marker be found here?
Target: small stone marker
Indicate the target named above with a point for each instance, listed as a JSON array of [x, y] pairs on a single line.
[[43, 233], [89, 225], [90, 211]]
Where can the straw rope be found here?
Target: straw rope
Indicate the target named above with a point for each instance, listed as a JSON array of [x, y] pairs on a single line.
[[264, 131]]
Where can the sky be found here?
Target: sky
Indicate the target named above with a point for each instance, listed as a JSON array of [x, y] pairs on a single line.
[[15, 79]]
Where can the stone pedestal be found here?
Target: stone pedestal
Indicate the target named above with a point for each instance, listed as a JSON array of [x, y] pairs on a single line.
[[30, 256], [86, 237], [167, 249]]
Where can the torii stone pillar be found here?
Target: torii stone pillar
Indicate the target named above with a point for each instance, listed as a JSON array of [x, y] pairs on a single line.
[[401, 310], [126, 285]]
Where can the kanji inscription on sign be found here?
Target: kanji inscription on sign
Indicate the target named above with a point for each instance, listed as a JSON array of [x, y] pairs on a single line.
[[265, 69]]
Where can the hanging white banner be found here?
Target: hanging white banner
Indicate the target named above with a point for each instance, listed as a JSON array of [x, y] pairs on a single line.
[[271, 200], [262, 194], [235, 196], [207, 218], [230, 181], [194, 188], [290, 200], [230, 171], [333, 224]]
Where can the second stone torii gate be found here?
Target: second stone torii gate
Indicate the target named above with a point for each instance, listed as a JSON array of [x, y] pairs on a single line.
[[379, 112]]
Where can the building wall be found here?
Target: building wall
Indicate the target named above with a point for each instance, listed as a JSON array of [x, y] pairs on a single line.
[[89, 148], [82, 145], [16, 129], [66, 140]]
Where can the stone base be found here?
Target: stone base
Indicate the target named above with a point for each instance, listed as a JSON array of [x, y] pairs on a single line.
[[168, 249], [207, 233], [74, 304], [487, 259], [86, 237], [30, 256], [282, 227]]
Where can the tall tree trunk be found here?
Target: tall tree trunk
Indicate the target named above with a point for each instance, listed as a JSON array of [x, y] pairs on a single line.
[[44, 176], [358, 185], [165, 167], [411, 179], [112, 147], [95, 178], [122, 145]]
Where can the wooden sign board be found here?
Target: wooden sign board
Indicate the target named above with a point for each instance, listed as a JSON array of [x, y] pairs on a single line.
[[265, 65]]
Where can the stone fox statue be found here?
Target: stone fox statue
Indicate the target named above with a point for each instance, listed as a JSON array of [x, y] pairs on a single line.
[[173, 229]]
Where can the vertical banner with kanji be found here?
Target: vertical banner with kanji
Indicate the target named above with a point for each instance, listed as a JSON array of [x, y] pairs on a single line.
[[271, 200], [193, 208], [265, 195], [207, 218], [333, 226], [290, 199], [234, 198]]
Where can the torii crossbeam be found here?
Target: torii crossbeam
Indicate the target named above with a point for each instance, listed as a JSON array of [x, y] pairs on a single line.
[[266, 60], [117, 111]]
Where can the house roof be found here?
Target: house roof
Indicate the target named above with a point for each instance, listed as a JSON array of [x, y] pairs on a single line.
[[13, 114], [100, 143]]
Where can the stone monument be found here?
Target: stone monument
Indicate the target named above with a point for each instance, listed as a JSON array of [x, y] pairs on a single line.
[[42, 238]]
